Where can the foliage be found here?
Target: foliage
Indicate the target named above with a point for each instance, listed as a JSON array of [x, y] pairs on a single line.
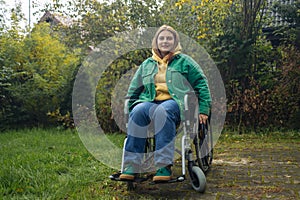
[[208, 15], [97, 22], [5, 78], [252, 69], [265, 104], [53, 67], [66, 121], [272, 96], [228, 30], [101, 21], [3, 12], [92, 22], [288, 87], [42, 71], [37, 70], [289, 32], [107, 93], [11, 57]]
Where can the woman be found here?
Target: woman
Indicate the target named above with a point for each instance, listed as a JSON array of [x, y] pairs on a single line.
[[156, 94]]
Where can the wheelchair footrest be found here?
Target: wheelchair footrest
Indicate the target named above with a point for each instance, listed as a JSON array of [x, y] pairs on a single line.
[[116, 177], [175, 180]]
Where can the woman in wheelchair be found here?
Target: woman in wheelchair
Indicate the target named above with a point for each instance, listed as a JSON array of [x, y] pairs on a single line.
[[156, 96]]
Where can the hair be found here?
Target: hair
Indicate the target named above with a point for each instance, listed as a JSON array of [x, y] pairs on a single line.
[[165, 28]]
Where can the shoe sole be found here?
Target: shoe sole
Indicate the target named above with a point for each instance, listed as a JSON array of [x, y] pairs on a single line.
[[125, 177], [161, 178]]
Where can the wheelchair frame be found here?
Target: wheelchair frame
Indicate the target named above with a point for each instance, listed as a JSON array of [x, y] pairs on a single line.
[[200, 134]]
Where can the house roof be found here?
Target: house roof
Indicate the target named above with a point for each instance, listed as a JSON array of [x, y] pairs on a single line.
[[277, 20], [55, 19]]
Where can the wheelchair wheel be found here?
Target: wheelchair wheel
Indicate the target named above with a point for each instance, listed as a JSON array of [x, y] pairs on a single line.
[[204, 148], [198, 179]]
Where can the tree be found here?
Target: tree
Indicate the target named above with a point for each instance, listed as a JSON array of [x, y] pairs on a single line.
[[11, 58], [206, 16], [40, 69], [93, 22], [3, 13], [287, 81], [231, 31]]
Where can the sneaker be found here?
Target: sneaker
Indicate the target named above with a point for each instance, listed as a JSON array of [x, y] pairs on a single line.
[[127, 174], [163, 174]]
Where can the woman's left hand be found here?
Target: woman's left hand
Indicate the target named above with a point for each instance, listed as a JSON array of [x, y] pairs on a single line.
[[203, 118]]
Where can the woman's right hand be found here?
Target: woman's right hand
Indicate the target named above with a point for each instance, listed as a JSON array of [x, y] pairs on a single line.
[[203, 118]]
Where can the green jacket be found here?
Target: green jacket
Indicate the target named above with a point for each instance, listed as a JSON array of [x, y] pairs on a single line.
[[183, 75]]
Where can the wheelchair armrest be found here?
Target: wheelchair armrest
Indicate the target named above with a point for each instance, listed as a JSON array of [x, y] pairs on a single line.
[[190, 103], [126, 110], [191, 106], [190, 98]]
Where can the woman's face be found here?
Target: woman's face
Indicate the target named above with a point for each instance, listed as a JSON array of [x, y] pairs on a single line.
[[165, 42]]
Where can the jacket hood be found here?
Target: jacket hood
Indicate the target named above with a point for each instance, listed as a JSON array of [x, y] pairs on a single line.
[[168, 57]]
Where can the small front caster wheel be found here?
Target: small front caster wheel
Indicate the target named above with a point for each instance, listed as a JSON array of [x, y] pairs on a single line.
[[198, 179]]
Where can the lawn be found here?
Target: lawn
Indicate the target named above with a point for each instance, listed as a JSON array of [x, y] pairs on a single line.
[[54, 164], [51, 164]]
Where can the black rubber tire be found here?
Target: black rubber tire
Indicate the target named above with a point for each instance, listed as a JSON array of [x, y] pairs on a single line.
[[198, 179], [204, 161]]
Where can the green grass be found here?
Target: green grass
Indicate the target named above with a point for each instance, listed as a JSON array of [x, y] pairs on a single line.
[[260, 140], [54, 164], [51, 164]]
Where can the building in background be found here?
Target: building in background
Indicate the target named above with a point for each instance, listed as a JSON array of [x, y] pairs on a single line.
[[55, 19], [274, 11]]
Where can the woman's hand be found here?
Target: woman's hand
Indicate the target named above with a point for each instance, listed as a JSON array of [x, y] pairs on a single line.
[[203, 118]]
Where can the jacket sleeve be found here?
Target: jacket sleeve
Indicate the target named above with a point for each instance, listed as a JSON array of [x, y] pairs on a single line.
[[135, 88], [199, 83]]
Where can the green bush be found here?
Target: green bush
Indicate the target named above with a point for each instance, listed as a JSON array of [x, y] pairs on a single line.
[[42, 72], [112, 88]]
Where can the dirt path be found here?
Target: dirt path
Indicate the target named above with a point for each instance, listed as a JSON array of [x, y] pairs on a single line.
[[240, 171]]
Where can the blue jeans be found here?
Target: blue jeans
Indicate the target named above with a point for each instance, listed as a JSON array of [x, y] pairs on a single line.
[[165, 116]]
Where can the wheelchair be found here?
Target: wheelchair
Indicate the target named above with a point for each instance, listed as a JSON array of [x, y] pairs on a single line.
[[196, 149]]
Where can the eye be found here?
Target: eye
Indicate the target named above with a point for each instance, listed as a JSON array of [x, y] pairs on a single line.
[[169, 38], [161, 38]]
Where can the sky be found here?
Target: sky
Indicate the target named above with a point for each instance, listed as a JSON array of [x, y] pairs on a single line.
[[35, 5]]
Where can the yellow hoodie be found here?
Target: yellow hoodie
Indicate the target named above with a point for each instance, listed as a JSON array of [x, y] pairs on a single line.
[[162, 92]]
